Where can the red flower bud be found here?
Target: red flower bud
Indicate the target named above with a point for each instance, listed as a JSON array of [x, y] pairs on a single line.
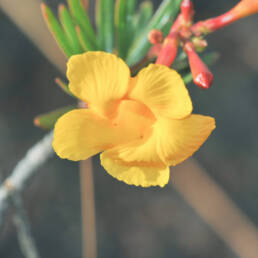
[[154, 51], [169, 50], [187, 10], [202, 76], [241, 10], [155, 36]]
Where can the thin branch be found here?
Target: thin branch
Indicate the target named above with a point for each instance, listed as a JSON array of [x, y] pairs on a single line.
[[24, 170], [88, 210], [22, 224]]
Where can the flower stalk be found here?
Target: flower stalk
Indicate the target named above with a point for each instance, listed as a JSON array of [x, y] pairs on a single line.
[[243, 9]]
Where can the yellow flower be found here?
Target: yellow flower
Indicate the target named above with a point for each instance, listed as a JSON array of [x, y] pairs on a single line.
[[142, 125]]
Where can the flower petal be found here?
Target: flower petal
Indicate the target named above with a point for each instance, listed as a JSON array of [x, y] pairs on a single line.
[[181, 138], [170, 142], [79, 134], [82, 133], [101, 79], [131, 174], [142, 152], [163, 91]]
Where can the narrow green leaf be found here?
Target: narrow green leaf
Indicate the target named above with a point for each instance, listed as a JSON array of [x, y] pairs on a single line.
[[69, 28], [121, 27], [187, 78], [143, 16], [124, 25], [106, 24], [56, 30], [85, 4], [63, 86], [84, 41], [97, 13], [48, 120], [165, 14], [210, 58], [82, 18], [181, 62], [131, 6]]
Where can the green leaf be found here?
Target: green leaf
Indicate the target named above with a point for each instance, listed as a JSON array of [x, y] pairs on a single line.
[[105, 17], [124, 25], [181, 62], [69, 28], [187, 78], [63, 86], [56, 30], [143, 16], [165, 15], [84, 41], [211, 58], [82, 19], [48, 120]]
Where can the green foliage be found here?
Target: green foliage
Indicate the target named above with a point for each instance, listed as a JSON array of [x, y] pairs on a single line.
[[75, 34], [163, 17], [56, 30], [142, 17], [69, 28], [82, 20], [63, 86], [121, 28], [48, 120], [105, 24], [124, 14]]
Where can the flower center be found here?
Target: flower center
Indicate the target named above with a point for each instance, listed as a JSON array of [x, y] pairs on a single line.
[[134, 118]]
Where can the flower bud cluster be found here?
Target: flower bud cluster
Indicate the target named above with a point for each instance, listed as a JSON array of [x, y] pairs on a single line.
[[190, 37]]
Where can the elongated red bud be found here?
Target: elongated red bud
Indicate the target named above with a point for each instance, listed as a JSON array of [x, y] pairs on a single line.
[[169, 50], [155, 36], [241, 10], [187, 10], [154, 51], [202, 76]]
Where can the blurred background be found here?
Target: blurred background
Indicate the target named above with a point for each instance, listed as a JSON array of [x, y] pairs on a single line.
[[131, 222]]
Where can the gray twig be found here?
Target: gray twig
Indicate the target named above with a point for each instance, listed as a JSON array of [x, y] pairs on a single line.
[[24, 170], [22, 223]]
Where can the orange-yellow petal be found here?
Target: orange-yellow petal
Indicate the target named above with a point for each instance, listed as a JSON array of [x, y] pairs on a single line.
[[101, 79], [139, 152], [179, 139], [137, 175], [170, 142], [79, 134], [82, 133], [163, 91]]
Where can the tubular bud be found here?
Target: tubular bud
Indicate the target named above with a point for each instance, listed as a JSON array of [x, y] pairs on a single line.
[[202, 76], [155, 36], [241, 10], [169, 50], [187, 10]]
